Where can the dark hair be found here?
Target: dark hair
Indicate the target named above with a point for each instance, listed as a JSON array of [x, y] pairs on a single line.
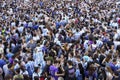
[[26, 77], [109, 56], [114, 60], [9, 65], [36, 69], [95, 56], [81, 70], [0, 55], [18, 70], [55, 62], [78, 56], [36, 78], [70, 62], [91, 69], [8, 77]]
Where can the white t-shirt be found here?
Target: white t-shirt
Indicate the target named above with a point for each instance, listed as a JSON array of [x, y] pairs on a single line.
[[34, 75], [77, 35], [116, 43], [35, 38], [5, 69], [20, 29], [1, 50], [45, 32], [13, 24]]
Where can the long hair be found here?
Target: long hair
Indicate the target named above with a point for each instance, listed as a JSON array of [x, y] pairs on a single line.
[[108, 58], [81, 68]]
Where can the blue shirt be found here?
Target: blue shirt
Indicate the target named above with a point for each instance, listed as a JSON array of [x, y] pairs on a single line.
[[41, 4], [57, 25], [113, 67], [9, 55], [2, 63], [35, 27], [26, 25], [30, 67]]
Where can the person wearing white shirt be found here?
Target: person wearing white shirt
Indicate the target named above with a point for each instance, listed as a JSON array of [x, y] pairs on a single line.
[[20, 29], [30, 24], [45, 32], [38, 56], [36, 73], [36, 37], [5, 69], [116, 43], [13, 24], [86, 44], [77, 35], [99, 43]]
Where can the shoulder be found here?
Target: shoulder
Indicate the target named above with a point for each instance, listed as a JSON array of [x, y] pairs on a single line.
[[77, 70]]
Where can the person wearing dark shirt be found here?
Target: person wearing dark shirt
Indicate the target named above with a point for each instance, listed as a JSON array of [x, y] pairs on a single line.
[[101, 57], [45, 72], [110, 44], [70, 71], [115, 69]]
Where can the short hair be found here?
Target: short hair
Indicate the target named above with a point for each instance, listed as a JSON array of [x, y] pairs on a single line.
[[9, 65], [114, 60], [70, 62], [8, 77], [78, 56], [36, 78], [55, 62], [36, 69], [18, 70]]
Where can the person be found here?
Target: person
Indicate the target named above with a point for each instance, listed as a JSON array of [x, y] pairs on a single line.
[[115, 69], [36, 73], [5, 69], [8, 77], [45, 72], [1, 72], [90, 72], [70, 71], [109, 71], [80, 72], [30, 67], [54, 70], [2, 61], [102, 56], [17, 75]]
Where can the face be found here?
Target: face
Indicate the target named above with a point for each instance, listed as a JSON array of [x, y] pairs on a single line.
[[62, 56], [58, 65], [48, 62], [69, 55], [31, 40], [38, 70], [115, 62]]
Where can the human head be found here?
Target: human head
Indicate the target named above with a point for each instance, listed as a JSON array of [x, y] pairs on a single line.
[[114, 61], [69, 63], [36, 69]]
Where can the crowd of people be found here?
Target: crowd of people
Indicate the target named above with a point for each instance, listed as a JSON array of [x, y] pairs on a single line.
[[59, 40]]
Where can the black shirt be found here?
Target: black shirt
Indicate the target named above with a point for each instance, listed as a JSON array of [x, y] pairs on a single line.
[[101, 58]]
